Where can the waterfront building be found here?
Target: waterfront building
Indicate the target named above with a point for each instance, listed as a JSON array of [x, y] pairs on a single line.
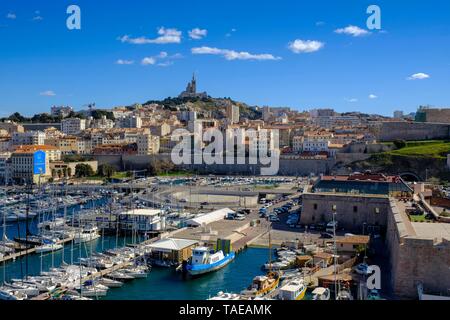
[[141, 220], [171, 250], [62, 170], [5, 170], [31, 164]]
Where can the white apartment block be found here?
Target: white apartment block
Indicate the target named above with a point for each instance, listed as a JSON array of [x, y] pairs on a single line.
[[28, 138], [317, 142], [73, 126], [84, 146], [5, 170], [297, 144], [129, 122], [147, 144]]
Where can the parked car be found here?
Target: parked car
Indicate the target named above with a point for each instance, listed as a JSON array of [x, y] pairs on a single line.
[[326, 235]]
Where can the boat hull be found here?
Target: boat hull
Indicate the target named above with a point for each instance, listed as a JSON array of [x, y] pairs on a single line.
[[198, 270]]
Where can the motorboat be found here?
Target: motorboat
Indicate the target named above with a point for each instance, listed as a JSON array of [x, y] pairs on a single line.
[[204, 260], [49, 247], [321, 293], [294, 290], [226, 296], [110, 283]]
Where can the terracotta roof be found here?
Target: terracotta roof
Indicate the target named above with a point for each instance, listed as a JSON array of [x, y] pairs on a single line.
[[33, 148], [354, 240]]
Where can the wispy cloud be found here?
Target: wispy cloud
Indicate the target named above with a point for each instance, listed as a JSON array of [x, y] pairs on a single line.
[[124, 62], [352, 100], [48, 93], [11, 16], [230, 33], [165, 36], [372, 96], [148, 61], [234, 55], [163, 59], [418, 76], [352, 31], [197, 33], [320, 23], [305, 46], [38, 18]]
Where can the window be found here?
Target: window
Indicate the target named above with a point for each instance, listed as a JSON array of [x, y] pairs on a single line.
[[355, 209], [315, 206], [377, 210]]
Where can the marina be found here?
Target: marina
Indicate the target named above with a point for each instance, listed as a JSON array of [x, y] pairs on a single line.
[[122, 240]]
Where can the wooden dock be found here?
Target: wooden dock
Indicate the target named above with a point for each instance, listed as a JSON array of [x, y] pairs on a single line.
[[25, 252]]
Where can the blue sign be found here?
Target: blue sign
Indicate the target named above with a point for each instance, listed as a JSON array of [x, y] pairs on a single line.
[[39, 166]]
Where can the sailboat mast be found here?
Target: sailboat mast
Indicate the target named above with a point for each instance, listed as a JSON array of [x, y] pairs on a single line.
[[270, 250], [4, 248]]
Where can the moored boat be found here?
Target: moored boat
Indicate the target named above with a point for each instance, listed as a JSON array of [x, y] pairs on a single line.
[[204, 261]]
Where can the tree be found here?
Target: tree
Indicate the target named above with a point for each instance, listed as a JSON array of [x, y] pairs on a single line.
[[106, 170], [83, 170], [399, 144]]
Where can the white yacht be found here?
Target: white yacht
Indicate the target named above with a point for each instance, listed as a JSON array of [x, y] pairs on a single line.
[[87, 234]]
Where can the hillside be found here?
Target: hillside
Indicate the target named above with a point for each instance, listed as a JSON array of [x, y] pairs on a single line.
[[215, 106]]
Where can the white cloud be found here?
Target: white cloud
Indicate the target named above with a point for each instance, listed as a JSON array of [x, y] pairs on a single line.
[[233, 55], [418, 76], [165, 64], [320, 23], [48, 93], [38, 18], [197, 33], [352, 100], [372, 96], [353, 31], [165, 36], [162, 55], [305, 46], [11, 16], [148, 61], [124, 62]]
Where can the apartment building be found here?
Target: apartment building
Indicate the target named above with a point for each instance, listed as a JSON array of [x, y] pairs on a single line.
[[147, 144], [28, 138], [73, 126]]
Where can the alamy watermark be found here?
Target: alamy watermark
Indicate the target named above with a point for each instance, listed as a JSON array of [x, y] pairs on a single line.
[[73, 22], [232, 146], [374, 20]]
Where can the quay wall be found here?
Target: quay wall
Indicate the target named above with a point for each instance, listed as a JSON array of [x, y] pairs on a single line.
[[415, 260], [286, 166], [389, 131]]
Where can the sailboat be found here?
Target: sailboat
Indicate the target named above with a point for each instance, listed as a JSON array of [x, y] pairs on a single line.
[[263, 285]]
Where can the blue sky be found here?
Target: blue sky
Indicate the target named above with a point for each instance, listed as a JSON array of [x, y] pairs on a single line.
[[246, 53]]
